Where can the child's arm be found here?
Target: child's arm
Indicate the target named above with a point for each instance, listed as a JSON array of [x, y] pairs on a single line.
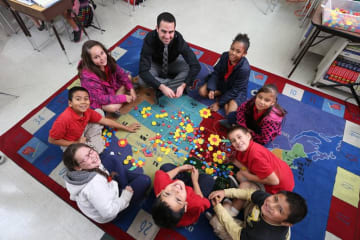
[[65, 143], [172, 173], [195, 181], [243, 194], [113, 124], [269, 129], [272, 179], [225, 219]]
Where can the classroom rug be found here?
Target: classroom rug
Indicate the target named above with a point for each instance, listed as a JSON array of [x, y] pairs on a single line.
[[320, 141]]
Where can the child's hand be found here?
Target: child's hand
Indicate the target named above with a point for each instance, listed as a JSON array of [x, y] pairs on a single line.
[[241, 176], [211, 94], [220, 194], [186, 167], [129, 189], [215, 201], [129, 98], [82, 140], [194, 174], [133, 94], [215, 107], [133, 127], [113, 174]]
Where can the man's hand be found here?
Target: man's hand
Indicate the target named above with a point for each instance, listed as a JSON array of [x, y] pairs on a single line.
[[133, 127], [180, 90], [167, 91], [211, 94], [215, 107], [219, 195]]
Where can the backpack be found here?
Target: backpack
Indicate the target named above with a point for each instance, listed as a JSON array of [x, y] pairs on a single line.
[[86, 14]]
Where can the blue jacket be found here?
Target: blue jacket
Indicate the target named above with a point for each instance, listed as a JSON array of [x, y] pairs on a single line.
[[236, 84]]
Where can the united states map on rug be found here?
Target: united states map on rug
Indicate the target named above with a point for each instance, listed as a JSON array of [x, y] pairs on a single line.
[[320, 141]]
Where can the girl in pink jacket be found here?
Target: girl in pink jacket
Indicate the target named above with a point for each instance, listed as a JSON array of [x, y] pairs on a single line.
[[108, 84]]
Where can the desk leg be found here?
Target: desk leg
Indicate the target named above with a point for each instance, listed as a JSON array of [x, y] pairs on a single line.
[[304, 50], [60, 42]]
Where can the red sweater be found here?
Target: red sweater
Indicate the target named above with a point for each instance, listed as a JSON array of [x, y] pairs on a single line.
[[261, 162]]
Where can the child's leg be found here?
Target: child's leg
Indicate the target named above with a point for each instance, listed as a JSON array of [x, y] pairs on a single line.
[[238, 203], [206, 183], [185, 177], [140, 183], [115, 107], [71, 21], [93, 134], [115, 165]]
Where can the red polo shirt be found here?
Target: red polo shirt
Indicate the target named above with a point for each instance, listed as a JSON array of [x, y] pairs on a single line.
[[196, 204], [261, 162], [70, 126]]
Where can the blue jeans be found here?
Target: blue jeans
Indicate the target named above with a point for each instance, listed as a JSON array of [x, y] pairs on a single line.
[[206, 182], [137, 180]]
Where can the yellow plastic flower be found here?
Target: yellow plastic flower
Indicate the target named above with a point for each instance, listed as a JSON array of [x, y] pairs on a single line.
[[214, 139], [205, 113], [219, 157]]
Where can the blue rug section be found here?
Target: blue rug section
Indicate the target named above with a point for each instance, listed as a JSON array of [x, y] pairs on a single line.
[[310, 141], [130, 60], [313, 99], [333, 108]]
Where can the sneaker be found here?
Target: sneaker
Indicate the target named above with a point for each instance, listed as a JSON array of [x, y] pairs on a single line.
[[225, 123], [77, 35], [42, 26]]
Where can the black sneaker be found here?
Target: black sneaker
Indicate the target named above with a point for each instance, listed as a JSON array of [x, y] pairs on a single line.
[[42, 26], [77, 35]]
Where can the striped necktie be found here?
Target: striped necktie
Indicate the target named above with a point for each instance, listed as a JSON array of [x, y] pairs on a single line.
[[165, 61]]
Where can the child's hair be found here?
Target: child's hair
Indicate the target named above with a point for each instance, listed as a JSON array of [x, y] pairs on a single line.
[[244, 39], [73, 90], [164, 216], [250, 121], [238, 127], [86, 61], [298, 206], [70, 161], [166, 17]]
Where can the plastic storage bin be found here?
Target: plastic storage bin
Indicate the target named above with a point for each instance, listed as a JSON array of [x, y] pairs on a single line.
[[342, 14]]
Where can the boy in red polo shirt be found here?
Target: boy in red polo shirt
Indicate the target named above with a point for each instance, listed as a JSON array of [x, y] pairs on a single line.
[[180, 197], [72, 126]]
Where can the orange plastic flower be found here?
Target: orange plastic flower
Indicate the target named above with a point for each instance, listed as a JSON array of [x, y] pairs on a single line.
[[214, 139], [122, 142], [205, 113]]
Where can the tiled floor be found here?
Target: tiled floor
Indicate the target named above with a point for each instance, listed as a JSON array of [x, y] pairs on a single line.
[[30, 211]]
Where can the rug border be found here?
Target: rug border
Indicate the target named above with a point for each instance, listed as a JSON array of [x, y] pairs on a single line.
[[57, 189]]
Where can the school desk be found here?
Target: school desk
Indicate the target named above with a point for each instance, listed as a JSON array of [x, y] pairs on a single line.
[[45, 14]]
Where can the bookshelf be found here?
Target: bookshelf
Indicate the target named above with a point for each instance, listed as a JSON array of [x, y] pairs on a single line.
[[340, 68]]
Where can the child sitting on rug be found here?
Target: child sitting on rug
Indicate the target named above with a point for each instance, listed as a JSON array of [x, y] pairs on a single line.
[[180, 198], [258, 165], [261, 114], [230, 77], [265, 216], [93, 188], [80, 124], [108, 84]]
